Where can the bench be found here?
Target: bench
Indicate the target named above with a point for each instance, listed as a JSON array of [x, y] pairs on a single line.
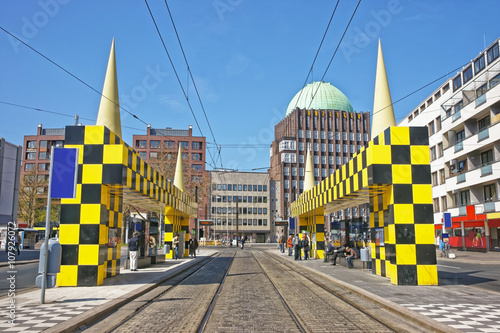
[[342, 260]]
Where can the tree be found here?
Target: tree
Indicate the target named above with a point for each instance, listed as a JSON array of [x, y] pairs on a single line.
[[33, 198]]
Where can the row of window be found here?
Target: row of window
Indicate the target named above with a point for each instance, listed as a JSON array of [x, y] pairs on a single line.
[[42, 155], [256, 222], [185, 156], [229, 198], [463, 198], [478, 94], [239, 187], [345, 136], [156, 144], [44, 144], [291, 158], [429, 102], [32, 166], [347, 119], [241, 210], [479, 64]]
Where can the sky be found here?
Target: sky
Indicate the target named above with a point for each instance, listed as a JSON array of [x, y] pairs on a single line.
[[248, 60]]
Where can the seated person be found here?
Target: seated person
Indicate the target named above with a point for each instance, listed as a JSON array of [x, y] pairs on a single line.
[[338, 252], [351, 253]]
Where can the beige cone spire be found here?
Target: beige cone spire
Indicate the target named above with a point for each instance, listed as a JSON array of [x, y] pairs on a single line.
[[179, 171], [309, 173], [109, 109], [383, 113]]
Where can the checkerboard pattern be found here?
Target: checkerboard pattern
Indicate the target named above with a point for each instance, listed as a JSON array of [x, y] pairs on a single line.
[[110, 173], [393, 174], [37, 318], [464, 317]]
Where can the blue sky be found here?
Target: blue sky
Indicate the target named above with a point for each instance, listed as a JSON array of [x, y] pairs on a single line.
[[248, 58]]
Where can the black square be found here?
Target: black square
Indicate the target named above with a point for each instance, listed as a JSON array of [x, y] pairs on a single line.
[[129, 159], [405, 233], [403, 193], [379, 174], [70, 214], [92, 154], [104, 216], [74, 135], [363, 159], [69, 254], [320, 227], [87, 275], [89, 234], [106, 136], [407, 275], [423, 214], [169, 227], [91, 193], [426, 254], [320, 245], [401, 154], [421, 174], [419, 136], [103, 253], [390, 253], [113, 174]]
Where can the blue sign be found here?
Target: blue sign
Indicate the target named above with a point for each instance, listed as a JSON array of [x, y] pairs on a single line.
[[291, 223], [64, 173], [447, 220]]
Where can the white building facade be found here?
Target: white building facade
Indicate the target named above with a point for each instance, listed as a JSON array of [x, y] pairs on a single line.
[[463, 119]]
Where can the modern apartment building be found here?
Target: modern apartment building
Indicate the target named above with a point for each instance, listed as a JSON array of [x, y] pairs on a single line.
[[240, 205], [319, 118], [161, 145], [463, 119], [10, 167]]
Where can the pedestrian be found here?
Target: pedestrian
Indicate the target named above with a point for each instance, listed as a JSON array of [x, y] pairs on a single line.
[[242, 240], [337, 253], [133, 247], [350, 254], [305, 246], [152, 245], [193, 245], [296, 244], [175, 243], [283, 242], [17, 243], [289, 244], [280, 245]]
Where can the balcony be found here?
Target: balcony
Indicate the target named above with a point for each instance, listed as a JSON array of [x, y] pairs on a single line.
[[480, 100], [459, 146], [461, 178], [483, 134], [473, 176], [456, 115], [486, 170]]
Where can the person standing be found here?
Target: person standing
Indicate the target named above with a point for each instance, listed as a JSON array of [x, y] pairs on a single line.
[[152, 245], [175, 243], [296, 244], [289, 245], [17, 243], [305, 246], [283, 242], [133, 247], [242, 240], [193, 245]]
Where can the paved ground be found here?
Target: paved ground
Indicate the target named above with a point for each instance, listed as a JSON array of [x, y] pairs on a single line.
[[465, 308]]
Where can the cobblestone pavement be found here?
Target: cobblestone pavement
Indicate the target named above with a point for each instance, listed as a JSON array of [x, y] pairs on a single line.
[[182, 308]]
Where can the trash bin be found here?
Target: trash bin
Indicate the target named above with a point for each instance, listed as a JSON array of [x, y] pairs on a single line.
[[365, 254]]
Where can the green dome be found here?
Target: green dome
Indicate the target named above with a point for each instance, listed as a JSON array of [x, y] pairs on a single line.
[[326, 97]]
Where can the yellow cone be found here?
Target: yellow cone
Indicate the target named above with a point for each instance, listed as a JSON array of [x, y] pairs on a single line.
[[109, 109], [179, 171], [309, 172], [383, 113]]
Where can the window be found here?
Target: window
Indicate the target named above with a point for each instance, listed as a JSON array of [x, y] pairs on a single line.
[[240, 187], [431, 128], [457, 107], [462, 165], [43, 166], [494, 81], [339, 160], [330, 160], [255, 188], [260, 188], [481, 90], [330, 147], [434, 178], [301, 146], [154, 144], [444, 203], [316, 147], [323, 159], [442, 178], [59, 144], [483, 123], [29, 166], [487, 157], [196, 156], [294, 171], [264, 188], [142, 155], [185, 156], [467, 74], [140, 143], [286, 171], [433, 153], [438, 123], [184, 144], [435, 203], [308, 134], [492, 53], [323, 147], [169, 144], [196, 167], [31, 144], [440, 150], [316, 159], [315, 134], [244, 187], [479, 64], [316, 172], [301, 158], [337, 148], [43, 144], [464, 198], [460, 136], [345, 148], [196, 145], [457, 82], [301, 171], [323, 173], [31, 156], [490, 193], [43, 155], [301, 134], [437, 95]]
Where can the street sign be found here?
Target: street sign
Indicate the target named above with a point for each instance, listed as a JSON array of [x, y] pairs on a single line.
[[206, 222]]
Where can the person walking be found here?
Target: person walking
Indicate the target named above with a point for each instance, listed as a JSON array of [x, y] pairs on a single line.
[[17, 243], [305, 246], [175, 243], [296, 244], [193, 245], [280, 244], [242, 240], [289, 245], [133, 247]]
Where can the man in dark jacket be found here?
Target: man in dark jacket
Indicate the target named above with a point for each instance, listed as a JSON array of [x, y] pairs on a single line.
[[133, 247], [338, 252], [193, 245], [297, 247]]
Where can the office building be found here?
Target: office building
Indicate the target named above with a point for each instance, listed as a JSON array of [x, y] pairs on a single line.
[[10, 168]]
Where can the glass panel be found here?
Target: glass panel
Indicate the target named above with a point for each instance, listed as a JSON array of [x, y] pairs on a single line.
[[484, 134], [486, 170], [459, 146], [461, 178], [456, 115]]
